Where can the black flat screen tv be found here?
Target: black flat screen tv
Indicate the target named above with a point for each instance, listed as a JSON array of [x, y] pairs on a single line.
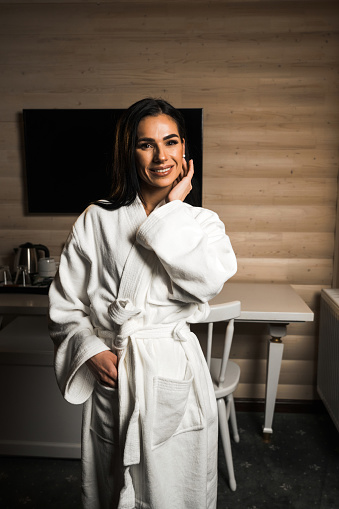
[[68, 155]]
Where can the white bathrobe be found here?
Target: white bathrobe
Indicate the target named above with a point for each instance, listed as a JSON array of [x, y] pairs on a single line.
[[131, 284]]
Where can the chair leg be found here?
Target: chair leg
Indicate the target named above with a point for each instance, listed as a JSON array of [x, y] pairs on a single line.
[[233, 417], [226, 442]]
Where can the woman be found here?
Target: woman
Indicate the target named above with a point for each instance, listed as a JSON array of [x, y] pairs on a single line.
[[136, 269]]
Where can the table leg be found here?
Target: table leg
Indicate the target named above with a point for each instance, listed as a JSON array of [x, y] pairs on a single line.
[[274, 358]]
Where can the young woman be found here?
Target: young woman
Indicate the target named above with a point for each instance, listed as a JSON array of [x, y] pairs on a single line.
[[136, 270]]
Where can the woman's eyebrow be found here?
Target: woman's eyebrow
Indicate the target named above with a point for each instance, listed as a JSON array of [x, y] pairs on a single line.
[[165, 138], [171, 136]]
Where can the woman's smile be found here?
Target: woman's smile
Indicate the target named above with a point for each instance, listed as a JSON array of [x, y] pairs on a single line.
[[162, 171]]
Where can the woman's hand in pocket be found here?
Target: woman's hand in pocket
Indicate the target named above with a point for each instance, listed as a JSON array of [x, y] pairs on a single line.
[[104, 367]]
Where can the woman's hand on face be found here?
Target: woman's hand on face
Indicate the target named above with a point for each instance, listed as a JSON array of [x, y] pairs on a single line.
[[104, 367], [182, 186]]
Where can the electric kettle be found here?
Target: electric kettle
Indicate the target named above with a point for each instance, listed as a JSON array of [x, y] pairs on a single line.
[[28, 255]]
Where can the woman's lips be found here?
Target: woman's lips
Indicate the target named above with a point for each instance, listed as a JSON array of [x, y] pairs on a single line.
[[163, 171]]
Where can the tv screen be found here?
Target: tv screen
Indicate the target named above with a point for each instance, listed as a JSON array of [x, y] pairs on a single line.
[[68, 155]]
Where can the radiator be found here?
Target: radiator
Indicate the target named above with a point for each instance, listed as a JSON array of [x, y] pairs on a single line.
[[328, 355]]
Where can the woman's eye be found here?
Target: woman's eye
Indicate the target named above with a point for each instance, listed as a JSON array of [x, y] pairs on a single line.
[[145, 146], [172, 142]]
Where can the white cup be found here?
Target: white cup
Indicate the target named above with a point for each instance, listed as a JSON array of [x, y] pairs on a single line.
[[47, 267]]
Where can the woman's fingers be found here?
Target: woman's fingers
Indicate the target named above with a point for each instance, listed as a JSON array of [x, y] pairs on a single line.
[[104, 367], [184, 167], [190, 171], [183, 187]]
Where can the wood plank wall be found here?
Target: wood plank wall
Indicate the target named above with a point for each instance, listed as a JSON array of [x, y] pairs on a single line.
[[266, 74]]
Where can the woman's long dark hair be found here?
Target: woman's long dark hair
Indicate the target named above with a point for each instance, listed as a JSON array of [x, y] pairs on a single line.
[[125, 180]]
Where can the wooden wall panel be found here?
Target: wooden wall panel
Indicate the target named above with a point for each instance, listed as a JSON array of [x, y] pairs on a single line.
[[266, 75], [269, 218], [336, 249], [270, 191]]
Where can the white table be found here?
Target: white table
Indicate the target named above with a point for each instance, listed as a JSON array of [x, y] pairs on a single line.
[[274, 304]]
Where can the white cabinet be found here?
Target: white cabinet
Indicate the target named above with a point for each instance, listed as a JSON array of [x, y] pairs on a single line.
[[35, 420]]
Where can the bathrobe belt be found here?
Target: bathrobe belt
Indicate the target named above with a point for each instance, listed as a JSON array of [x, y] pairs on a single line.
[[126, 323], [179, 331]]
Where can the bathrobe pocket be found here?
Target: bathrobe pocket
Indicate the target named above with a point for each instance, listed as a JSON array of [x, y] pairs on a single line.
[[105, 413], [176, 408]]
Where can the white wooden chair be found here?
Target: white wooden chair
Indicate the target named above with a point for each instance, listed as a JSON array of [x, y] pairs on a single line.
[[225, 376]]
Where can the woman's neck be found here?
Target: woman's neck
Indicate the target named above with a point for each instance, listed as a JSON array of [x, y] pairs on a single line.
[[151, 197]]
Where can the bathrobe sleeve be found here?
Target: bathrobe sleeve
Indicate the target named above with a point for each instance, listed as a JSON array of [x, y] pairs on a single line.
[[70, 326], [193, 248]]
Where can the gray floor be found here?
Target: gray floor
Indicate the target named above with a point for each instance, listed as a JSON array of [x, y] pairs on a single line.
[[299, 469]]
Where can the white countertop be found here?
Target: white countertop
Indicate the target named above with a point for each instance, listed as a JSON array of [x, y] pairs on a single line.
[[23, 303]]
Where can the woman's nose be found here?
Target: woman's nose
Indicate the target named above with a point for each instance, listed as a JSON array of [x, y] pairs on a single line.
[[160, 154]]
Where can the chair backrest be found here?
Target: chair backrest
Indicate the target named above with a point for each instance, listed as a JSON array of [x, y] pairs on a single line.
[[222, 313]]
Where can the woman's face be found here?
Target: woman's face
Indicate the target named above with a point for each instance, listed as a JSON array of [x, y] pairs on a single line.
[[159, 152]]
